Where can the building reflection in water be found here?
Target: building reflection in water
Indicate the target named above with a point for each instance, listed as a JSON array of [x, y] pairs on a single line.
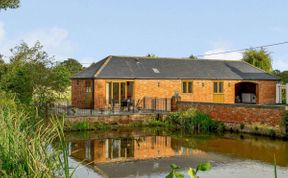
[[125, 149]]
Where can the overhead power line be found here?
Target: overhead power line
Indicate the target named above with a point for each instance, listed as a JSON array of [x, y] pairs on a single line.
[[239, 50]]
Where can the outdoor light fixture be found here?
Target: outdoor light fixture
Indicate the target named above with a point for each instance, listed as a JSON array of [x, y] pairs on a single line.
[[229, 84], [202, 84], [158, 83]]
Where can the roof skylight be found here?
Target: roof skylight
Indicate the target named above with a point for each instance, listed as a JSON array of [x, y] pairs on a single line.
[[155, 70]]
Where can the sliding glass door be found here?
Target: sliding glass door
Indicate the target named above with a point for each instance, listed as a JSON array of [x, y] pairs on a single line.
[[117, 91]]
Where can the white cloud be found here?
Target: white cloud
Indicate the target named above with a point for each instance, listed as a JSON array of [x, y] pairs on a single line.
[[2, 32], [55, 41], [212, 54]]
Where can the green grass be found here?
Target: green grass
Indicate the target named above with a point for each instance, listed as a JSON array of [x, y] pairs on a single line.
[[190, 121], [85, 125]]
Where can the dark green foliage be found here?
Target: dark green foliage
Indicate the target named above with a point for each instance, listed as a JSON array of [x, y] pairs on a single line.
[[72, 65], [282, 75], [192, 57], [272, 133], [151, 55], [5, 4], [33, 77], [242, 126], [258, 58], [3, 68], [285, 122], [192, 121], [59, 78], [28, 73]]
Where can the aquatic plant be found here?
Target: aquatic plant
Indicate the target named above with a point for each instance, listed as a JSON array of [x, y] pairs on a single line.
[[191, 172]]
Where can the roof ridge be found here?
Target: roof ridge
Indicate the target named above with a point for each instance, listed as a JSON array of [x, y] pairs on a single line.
[[107, 59], [172, 58]]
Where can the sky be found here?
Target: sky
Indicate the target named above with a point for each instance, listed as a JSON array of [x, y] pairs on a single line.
[[90, 30]]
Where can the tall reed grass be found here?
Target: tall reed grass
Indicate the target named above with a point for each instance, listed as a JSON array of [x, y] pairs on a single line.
[[26, 145]]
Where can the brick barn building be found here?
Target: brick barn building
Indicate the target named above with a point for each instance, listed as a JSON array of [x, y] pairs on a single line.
[[119, 78]]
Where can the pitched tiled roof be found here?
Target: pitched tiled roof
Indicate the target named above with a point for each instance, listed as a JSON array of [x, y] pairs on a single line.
[[120, 67]]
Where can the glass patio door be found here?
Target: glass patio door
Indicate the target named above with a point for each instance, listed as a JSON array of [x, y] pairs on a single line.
[[116, 91]]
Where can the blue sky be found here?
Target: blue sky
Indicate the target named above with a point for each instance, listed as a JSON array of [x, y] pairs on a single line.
[[92, 29]]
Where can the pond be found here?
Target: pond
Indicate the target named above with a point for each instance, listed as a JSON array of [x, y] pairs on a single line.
[[149, 153]]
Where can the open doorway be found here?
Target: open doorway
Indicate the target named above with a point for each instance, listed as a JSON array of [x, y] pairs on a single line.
[[246, 92]]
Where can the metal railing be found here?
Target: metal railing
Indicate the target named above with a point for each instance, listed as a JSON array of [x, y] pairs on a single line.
[[113, 107]]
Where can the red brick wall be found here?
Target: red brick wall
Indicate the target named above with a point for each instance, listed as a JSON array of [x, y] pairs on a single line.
[[239, 113], [80, 98], [202, 91]]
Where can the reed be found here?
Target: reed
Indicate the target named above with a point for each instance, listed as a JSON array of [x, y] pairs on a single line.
[[26, 146]]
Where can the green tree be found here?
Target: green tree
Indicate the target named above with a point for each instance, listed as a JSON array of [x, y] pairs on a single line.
[[5, 4], [72, 65], [283, 76], [3, 68], [60, 78], [27, 75], [192, 57], [151, 55], [258, 58]]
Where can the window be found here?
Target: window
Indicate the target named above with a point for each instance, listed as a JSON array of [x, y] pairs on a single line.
[[218, 87], [88, 86], [187, 87]]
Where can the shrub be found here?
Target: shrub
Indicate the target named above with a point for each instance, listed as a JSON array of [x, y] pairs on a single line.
[[242, 126], [272, 133], [81, 126], [192, 120]]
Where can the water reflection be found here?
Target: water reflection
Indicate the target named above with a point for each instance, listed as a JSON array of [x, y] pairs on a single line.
[[124, 149], [156, 146]]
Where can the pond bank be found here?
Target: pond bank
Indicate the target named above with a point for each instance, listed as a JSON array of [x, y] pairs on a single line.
[[105, 122]]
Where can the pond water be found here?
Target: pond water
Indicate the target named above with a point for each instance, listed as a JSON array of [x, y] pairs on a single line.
[[149, 153]]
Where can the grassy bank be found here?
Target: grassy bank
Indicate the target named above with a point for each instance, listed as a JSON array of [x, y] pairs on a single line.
[[189, 121]]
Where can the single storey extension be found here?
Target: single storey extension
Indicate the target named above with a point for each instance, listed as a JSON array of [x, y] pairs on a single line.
[[121, 78]]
